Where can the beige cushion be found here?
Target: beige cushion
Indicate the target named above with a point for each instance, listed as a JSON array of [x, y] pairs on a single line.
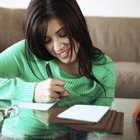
[[117, 37], [10, 26], [128, 79]]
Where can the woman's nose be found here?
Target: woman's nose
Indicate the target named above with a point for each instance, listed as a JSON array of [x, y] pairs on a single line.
[[57, 45]]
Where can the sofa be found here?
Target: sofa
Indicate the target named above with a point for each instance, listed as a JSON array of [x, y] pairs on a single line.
[[118, 37], [10, 26]]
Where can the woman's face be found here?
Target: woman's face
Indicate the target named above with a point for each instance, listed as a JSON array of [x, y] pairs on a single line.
[[57, 42]]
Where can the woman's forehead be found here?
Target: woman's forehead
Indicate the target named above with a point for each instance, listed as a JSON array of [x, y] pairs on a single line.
[[54, 25]]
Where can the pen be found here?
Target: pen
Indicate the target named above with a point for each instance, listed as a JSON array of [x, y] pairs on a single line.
[[48, 69], [49, 72]]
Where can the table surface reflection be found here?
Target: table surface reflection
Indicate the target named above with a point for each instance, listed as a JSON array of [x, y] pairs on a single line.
[[120, 104]]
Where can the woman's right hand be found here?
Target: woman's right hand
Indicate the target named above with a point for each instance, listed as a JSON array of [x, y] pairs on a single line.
[[49, 90]]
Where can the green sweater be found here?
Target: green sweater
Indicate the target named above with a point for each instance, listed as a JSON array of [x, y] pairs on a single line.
[[17, 83]]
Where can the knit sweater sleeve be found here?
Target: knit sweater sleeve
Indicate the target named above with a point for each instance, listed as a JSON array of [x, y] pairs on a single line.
[[106, 75], [13, 85]]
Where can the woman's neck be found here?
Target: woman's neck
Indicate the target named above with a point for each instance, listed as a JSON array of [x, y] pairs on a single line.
[[72, 68]]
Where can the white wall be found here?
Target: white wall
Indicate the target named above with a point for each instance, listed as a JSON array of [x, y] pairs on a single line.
[[117, 8], [14, 3]]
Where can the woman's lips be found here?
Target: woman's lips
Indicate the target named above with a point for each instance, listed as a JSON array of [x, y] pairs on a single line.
[[65, 54]]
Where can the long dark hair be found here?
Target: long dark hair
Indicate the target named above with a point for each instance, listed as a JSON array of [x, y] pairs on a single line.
[[37, 16]]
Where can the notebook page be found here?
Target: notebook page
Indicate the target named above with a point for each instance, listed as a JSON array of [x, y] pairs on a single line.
[[90, 113], [36, 106]]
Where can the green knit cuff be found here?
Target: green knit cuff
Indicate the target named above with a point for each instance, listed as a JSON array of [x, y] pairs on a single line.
[[24, 91]]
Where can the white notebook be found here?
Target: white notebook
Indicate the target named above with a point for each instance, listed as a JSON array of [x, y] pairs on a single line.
[[90, 113], [36, 106]]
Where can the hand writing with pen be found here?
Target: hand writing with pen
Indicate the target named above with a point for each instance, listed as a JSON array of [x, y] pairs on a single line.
[[50, 90]]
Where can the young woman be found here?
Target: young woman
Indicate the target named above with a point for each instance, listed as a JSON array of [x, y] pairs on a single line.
[[55, 33]]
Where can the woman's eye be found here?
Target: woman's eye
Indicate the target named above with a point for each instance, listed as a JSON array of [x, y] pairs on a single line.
[[63, 34], [47, 41]]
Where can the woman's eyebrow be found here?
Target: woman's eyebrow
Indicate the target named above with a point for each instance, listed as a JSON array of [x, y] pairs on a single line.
[[60, 30]]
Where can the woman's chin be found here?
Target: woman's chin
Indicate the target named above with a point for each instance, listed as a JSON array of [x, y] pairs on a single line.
[[65, 61]]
